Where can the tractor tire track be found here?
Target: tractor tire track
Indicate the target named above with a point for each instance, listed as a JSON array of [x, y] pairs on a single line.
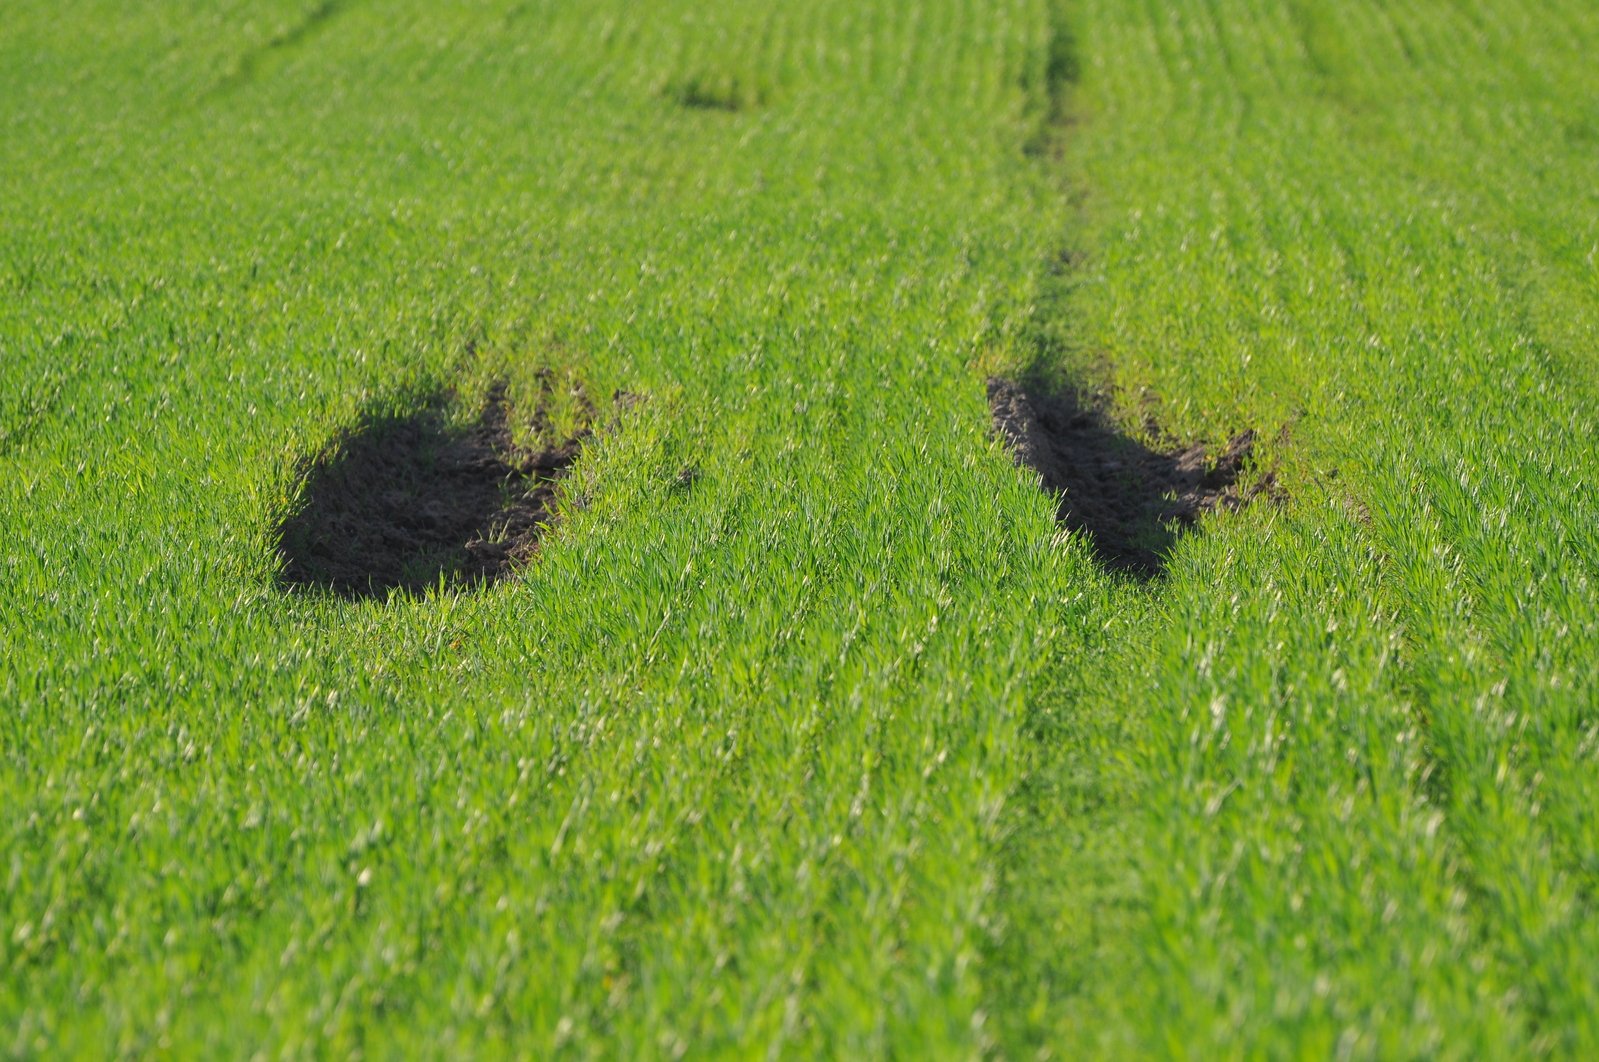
[[308, 27]]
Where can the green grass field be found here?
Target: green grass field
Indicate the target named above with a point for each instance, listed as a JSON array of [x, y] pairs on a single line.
[[808, 731]]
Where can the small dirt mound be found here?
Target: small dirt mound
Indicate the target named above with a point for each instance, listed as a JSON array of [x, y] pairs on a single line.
[[1131, 501], [401, 501]]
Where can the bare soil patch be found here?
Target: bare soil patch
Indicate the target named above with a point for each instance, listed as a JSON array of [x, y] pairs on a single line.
[[1131, 501], [716, 92], [401, 502]]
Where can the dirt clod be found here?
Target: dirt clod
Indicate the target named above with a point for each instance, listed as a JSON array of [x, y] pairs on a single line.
[[401, 501], [1130, 500]]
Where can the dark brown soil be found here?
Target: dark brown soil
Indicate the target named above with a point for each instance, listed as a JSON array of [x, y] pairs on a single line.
[[401, 502], [1130, 500]]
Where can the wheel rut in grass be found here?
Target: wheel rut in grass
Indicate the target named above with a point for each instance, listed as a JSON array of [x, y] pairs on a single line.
[[1130, 501], [714, 92], [404, 501], [308, 26]]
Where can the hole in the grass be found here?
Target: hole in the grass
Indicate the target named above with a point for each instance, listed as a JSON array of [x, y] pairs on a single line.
[[1131, 501], [405, 500], [716, 92]]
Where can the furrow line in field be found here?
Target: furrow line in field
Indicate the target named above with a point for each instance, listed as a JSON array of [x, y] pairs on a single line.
[[297, 34]]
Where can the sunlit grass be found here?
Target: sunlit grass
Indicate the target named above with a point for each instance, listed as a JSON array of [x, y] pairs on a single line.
[[806, 731]]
